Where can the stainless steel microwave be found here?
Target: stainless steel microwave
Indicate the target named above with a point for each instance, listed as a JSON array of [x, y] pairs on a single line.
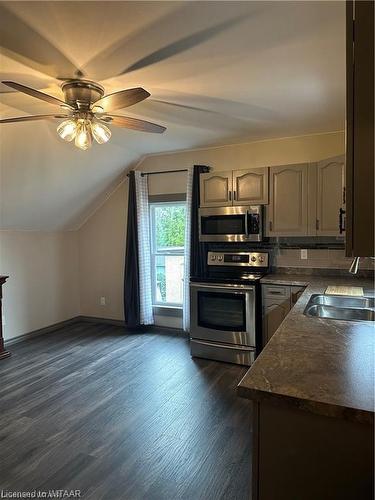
[[241, 223]]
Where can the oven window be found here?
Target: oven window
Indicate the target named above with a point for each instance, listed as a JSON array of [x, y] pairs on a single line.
[[223, 224], [222, 311]]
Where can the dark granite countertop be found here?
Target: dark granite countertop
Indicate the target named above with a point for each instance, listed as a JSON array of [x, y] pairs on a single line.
[[318, 365]]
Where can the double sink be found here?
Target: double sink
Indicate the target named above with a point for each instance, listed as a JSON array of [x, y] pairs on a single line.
[[341, 307]]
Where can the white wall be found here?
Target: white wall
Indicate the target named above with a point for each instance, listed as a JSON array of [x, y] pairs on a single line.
[[102, 237], [101, 257], [42, 288]]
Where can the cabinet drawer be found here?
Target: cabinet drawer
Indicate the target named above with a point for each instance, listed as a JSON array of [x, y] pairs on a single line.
[[276, 291]]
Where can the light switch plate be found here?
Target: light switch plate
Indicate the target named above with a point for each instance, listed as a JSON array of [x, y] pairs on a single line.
[[102, 301], [303, 254]]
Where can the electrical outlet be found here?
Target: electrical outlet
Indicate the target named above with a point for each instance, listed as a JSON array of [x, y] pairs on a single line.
[[102, 301], [303, 254]]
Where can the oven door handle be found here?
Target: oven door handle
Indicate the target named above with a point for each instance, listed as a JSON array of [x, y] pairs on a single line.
[[235, 347], [224, 286]]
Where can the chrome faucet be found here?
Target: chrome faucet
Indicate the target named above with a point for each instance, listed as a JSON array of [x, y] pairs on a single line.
[[353, 269], [354, 266]]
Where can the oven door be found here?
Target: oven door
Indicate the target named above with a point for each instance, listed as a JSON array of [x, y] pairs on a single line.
[[223, 313]]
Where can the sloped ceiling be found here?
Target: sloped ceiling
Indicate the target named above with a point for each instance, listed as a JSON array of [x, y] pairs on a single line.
[[218, 73]]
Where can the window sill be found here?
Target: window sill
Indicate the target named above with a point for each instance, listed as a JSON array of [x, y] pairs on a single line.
[[172, 311]]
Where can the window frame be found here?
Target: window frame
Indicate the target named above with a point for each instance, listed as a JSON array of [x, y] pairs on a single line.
[[155, 253]]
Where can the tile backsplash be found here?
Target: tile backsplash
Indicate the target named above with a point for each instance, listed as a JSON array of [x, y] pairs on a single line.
[[316, 258]]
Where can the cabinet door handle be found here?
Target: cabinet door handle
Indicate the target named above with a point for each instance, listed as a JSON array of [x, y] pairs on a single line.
[[270, 225], [234, 195], [343, 195], [230, 195], [317, 224]]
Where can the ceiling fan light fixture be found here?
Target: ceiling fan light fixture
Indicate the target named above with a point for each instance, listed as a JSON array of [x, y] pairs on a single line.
[[67, 130], [83, 139], [86, 109], [100, 132]]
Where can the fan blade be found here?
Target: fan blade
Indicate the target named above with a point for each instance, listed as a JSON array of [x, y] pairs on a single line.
[[31, 118], [180, 27], [122, 99], [181, 45], [36, 93], [133, 123], [24, 44]]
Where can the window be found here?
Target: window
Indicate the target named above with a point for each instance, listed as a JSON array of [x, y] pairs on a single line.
[[167, 252]]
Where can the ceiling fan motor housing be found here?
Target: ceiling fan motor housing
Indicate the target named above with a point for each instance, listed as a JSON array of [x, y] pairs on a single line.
[[82, 93]]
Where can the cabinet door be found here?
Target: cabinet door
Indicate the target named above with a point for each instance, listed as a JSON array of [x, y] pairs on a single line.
[[250, 187], [330, 196], [274, 313], [360, 169], [287, 211], [216, 189]]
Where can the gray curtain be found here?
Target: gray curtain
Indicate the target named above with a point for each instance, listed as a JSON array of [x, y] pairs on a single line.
[[131, 275], [197, 249]]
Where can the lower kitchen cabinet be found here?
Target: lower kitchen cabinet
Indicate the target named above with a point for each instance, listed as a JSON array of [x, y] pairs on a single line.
[[298, 455], [274, 313], [277, 302]]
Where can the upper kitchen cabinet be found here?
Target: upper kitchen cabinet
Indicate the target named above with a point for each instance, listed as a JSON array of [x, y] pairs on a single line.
[[330, 196], [360, 129], [287, 211], [216, 189], [238, 187], [250, 187]]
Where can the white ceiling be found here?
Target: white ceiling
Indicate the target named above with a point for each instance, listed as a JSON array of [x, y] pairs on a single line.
[[218, 73]]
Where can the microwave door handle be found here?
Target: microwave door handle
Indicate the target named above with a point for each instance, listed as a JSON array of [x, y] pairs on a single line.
[[247, 223]]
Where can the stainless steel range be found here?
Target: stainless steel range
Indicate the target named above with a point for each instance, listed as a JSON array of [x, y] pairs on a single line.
[[226, 307]]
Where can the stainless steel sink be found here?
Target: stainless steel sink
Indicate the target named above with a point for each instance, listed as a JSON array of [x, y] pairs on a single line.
[[341, 307], [343, 301]]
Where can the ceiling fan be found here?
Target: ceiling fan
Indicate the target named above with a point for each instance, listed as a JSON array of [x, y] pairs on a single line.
[[86, 111]]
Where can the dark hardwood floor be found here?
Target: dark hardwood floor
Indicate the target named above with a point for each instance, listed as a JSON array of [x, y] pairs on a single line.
[[122, 417]]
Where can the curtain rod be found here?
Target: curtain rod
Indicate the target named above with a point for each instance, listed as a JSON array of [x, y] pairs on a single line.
[[162, 172]]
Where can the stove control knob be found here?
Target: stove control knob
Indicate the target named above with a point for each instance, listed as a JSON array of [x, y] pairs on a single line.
[[213, 257], [261, 259], [253, 259], [220, 258]]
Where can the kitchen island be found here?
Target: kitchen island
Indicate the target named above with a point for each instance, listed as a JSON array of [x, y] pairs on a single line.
[[313, 393]]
